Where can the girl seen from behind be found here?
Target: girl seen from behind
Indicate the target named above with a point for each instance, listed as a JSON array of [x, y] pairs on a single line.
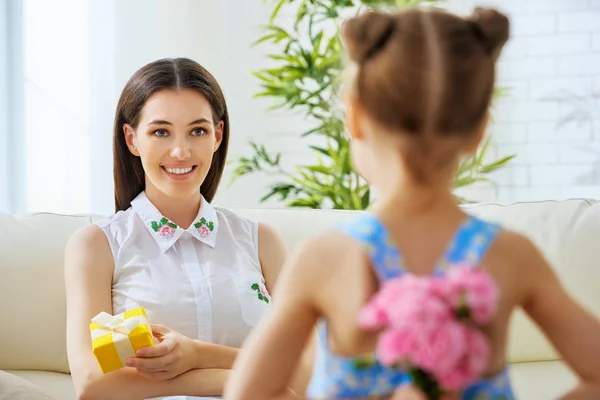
[[420, 89]]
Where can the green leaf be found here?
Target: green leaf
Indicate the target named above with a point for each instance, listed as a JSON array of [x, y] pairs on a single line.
[[197, 225], [496, 164], [164, 221], [155, 226], [172, 225], [211, 226], [318, 168], [254, 286], [320, 150], [260, 296], [365, 199], [276, 10]]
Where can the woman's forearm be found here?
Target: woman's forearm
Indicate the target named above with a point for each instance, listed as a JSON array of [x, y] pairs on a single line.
[[128, 384], [198, 382], [210, 355]]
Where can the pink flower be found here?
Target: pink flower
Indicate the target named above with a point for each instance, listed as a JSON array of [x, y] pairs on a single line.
[[372, 317], [424, 326], [439, 350], [405, 301], [478, 352], [470, 366], [204, 231], [422, 310], [166, 231], [475, 289], [396, 346]]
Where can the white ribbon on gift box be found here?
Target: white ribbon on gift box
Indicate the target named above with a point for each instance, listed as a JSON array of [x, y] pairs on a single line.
[[120, 328]]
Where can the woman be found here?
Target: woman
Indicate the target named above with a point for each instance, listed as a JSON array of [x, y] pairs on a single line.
[[203, 274]]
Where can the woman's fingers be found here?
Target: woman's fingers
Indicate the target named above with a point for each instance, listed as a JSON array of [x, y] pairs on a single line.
[[159, 350]]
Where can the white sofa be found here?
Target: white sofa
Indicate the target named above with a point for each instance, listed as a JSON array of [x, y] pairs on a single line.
[[32, 300]]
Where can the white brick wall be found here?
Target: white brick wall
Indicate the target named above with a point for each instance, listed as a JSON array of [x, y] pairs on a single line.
[[552, 64]]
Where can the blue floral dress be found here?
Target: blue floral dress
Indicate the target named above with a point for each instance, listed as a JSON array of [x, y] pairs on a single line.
[[341, 377]]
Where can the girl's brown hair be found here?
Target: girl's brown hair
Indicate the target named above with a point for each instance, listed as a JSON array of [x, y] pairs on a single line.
[[178, 73], [426, 73]]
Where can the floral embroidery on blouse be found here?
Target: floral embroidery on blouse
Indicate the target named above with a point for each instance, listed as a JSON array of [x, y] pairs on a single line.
[[204, 227], [164, 227], [262, 292]]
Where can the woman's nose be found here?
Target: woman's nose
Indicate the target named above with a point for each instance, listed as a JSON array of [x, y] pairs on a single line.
[[180, 150]]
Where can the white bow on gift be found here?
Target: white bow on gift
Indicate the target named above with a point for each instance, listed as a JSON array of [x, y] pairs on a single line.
[[116, 323], [120, 328]]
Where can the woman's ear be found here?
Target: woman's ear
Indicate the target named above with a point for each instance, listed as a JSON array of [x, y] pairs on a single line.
[[218, 135], [130, 139]]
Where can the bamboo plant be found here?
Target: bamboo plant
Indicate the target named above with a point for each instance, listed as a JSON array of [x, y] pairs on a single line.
[[306, 77]]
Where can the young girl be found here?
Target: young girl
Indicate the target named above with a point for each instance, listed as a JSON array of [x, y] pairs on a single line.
[[418, 102]]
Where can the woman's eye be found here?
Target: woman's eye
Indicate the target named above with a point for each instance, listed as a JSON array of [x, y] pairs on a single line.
[[160, 133], [199, 132]]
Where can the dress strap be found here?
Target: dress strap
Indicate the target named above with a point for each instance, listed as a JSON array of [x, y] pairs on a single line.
[[472, 242], [385, 257]]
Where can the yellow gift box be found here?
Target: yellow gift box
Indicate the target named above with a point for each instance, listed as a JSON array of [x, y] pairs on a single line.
[[117, 338]]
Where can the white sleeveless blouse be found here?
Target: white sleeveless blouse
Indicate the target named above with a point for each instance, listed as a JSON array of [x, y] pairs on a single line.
[[205, 281]]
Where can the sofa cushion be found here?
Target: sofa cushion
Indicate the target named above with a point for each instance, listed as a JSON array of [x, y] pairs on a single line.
[[57, 384], [32, 290], [32, 276], [545, 380], [13, 387]]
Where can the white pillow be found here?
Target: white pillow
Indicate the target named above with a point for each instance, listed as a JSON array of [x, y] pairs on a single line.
[[14, 388]]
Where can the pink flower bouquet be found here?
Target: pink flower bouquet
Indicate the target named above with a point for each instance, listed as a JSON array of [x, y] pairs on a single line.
[[431, 327]]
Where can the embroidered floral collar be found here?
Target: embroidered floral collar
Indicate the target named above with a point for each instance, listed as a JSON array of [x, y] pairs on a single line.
[[166, 232]]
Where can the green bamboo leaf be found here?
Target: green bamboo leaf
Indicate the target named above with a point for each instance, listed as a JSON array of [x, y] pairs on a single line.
[[464, 181], [318, 168], [276, 10], [483, 150], [365, 199], [301, 13], [321, 150], [496, 164]]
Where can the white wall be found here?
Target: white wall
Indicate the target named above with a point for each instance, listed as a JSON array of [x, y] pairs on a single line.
[[554, 52]]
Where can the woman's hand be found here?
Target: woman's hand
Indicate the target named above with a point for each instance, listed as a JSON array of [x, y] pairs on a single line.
[[173, 356]]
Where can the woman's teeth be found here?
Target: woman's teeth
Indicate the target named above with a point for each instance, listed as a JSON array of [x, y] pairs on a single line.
[[178, 171]]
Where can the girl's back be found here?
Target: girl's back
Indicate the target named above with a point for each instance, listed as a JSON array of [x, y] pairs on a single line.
[[367, 252], [418, 103]]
